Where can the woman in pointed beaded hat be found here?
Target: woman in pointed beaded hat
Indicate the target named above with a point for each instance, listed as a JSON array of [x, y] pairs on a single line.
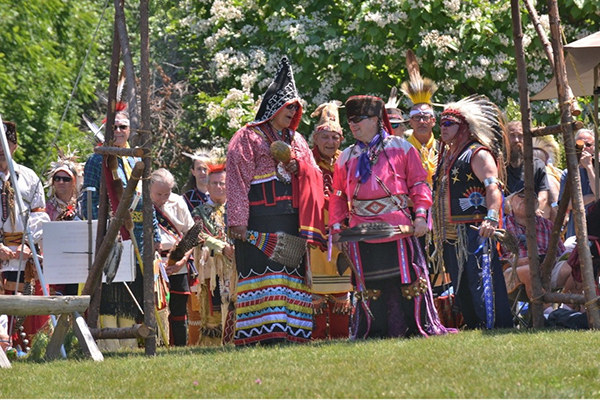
[[270, 192]]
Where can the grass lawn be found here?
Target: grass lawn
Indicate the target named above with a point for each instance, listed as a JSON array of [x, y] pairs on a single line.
[[502, 364]]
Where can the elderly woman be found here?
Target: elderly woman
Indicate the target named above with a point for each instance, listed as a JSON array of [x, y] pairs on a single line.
[[273, 302], [174, 220], [331, 297], [373, 181], [64, 180]]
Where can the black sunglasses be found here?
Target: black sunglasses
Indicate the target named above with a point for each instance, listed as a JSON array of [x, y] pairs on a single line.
[[357, 118], [293, 106], [62, 178], [447, 123], [121, 127]]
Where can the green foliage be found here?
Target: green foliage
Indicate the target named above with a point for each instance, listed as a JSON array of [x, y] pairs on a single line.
[[42, 46], [343, 47]]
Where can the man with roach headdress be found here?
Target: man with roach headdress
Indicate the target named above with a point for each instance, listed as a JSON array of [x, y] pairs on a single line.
[[373, 181], [467, 194]]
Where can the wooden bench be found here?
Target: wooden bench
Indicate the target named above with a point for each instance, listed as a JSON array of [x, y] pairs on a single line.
[[62, 306]]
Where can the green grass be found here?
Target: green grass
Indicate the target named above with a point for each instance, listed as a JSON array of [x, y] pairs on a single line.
[[502, 364]]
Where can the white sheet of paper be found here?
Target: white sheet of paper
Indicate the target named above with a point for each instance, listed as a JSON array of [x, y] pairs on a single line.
[[66, 253]]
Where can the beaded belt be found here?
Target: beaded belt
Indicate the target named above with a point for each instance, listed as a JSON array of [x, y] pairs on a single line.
[[13, 238], [384, 205]]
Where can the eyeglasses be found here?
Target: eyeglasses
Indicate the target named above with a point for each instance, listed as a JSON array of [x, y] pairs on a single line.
[[448, 123], [355, 119], [62, 179], [421, 117], [395, 125], [589, 144], [293, 106], [120, 127]]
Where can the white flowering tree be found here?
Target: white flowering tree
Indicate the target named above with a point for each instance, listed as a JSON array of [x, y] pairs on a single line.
[[343, 47]]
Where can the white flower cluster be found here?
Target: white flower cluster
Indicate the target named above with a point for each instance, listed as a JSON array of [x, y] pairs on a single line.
[[312, 50], [504, 40], [497, 95], [475, 72], [234, 96], [433, 39], [500, 74], [483, 61], [248, 30], [329, 80], [214, 110], [332, 45], [453, 6], [224, 10], [235, 115], [227, 60], [211, 41], [248, 79]]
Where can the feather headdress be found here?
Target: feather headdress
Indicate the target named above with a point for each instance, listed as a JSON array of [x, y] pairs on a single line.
[[485, 121], [549, 145], [395, 114], [418, 89], [200, 153], [67, 162], [217, 160]]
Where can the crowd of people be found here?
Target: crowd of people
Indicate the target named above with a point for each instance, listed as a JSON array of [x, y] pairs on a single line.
[[439, 203]]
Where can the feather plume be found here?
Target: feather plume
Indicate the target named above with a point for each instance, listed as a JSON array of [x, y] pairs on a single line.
[[393, 100], [549, 144], [112, 262], [418, 89], [189, 240]]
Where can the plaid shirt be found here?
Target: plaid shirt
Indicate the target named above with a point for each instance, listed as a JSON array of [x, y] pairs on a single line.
[[543, 229]]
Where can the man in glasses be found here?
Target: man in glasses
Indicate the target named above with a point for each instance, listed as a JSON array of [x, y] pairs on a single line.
[[422, 121], [15, 250], [118, 308], [373, 182], [515, 174], [587, 174]]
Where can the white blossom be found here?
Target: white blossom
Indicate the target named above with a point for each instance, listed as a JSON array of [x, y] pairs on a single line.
[[452, 5], [225, 10], [484, 61], [500, 74], [214, 110]]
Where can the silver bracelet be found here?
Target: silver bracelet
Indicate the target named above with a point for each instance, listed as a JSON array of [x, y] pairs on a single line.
[[488, 181]]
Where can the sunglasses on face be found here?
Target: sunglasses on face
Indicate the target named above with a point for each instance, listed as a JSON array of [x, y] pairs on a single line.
[[395, 125], [448, 123], [423, 118], [355, 119], [120, 127], [293, 106], [589, 144], [62, 179]]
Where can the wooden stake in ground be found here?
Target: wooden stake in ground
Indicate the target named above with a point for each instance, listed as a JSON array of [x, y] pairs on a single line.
[[573, 167]]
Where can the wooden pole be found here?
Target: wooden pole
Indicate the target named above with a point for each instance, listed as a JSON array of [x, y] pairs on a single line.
[[42, 305], [94, 309], [585, 257], [108, 242], [532, 247], [122, 152], [128, 62], [554, 129], [139, 331], [575, 108], [147, 211]]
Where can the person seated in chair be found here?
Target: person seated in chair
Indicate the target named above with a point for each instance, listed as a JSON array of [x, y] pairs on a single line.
[[515, 220]]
